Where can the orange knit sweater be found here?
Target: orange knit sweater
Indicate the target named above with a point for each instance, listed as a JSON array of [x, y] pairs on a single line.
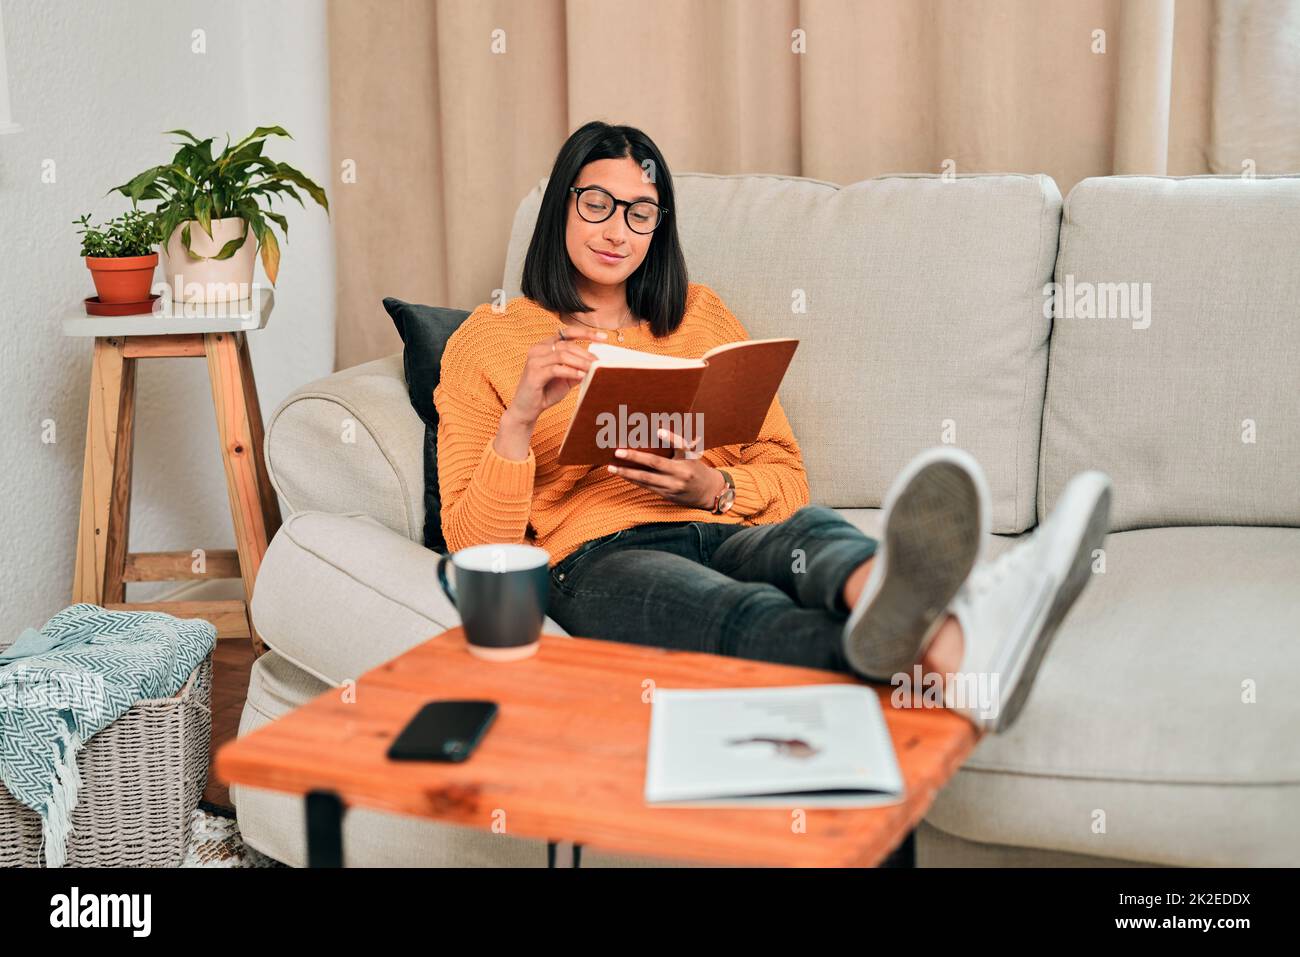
[[489, 498]]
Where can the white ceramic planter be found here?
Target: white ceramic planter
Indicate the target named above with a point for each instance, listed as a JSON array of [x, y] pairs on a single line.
[[208, 279]]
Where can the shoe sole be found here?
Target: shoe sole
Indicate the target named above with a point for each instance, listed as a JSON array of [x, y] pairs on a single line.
[[930, 546], [1094, 534]]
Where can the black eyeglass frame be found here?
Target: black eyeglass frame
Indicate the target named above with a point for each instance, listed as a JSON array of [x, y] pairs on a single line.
[[616, 203]]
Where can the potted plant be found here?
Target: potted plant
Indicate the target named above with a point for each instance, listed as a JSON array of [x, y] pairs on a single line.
[[120, 255], [215, 213]]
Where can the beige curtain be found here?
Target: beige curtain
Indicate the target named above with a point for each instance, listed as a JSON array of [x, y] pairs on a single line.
[[445, 112]]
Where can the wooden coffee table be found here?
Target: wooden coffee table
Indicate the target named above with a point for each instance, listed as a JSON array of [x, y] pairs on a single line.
[[566, 757]]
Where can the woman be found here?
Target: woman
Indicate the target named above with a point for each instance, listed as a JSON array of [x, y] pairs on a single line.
[[719, 550]]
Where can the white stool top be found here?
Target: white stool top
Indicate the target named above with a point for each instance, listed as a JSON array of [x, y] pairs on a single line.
[[177, 318]]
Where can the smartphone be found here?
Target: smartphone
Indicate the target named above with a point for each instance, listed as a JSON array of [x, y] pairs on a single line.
[[444, 731]]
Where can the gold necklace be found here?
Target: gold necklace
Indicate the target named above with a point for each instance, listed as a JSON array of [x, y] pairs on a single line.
[[618, 328]]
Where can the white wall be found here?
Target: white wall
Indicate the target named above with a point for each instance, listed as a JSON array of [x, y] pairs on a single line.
[[93, 84]]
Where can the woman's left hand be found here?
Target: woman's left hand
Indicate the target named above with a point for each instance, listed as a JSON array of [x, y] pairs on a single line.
[[685, 478]]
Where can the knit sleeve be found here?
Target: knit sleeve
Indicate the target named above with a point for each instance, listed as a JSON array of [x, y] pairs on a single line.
[[771, 483], [486, 498]]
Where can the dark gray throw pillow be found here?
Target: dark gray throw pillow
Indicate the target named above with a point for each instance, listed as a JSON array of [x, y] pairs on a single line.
[[425, 331]]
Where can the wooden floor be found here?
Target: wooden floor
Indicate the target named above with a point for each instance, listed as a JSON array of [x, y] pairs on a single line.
[[230, 664]]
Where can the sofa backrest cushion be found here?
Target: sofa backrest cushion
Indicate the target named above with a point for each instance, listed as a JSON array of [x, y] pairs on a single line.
[[918, 303], [1175, 355]]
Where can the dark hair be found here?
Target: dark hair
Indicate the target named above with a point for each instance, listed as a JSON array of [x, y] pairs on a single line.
[[656, 291]]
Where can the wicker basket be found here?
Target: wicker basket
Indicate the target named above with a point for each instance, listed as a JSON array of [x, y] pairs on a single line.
[[141, 779]]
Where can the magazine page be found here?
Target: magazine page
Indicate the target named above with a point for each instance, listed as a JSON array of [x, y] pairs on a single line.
[[810, 745]]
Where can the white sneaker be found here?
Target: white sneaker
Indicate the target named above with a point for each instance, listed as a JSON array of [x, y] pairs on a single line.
[[936, 521], [1010, 608]]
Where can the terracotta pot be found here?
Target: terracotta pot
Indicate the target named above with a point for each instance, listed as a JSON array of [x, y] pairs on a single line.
[[208, 279], [124, 279]]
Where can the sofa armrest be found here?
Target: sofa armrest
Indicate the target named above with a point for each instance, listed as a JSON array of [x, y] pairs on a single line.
[[338, 595], [351, 442]]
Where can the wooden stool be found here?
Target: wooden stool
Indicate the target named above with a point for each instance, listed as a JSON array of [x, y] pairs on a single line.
[[104, 563]]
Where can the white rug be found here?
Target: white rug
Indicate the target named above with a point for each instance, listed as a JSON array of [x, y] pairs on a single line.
[[215, 842]]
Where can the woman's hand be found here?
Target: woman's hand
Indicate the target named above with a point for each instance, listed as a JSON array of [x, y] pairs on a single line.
[[685, 478], [554, 366]]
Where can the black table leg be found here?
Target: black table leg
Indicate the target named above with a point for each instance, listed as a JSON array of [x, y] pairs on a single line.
[[324, 829], [552, 849]]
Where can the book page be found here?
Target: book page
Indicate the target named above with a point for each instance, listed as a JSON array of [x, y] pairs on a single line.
[[633, 359]]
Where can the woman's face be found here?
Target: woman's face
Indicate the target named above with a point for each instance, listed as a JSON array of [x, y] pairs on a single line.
[[586, 240]]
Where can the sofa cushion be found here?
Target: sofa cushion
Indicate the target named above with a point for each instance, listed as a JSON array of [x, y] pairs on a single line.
[[350, 442], [1167, 703], [1187, 397], [425, 331], [937, 848], [338, 595], [918, 300]]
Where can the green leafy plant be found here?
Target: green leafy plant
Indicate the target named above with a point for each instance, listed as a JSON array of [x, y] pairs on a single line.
[[241, 181], [134, 233]]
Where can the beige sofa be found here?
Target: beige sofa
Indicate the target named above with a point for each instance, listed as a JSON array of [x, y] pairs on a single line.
[[1163, 726]]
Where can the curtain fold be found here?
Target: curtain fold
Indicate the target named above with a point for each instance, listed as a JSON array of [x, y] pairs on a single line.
[[1256, 99], [1144, 87], [453, 109]]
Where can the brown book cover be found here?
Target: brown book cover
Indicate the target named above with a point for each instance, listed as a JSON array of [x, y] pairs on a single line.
[[627, 396]]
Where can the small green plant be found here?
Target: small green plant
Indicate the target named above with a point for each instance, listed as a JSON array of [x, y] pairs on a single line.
[[240, 181], [134, 233]]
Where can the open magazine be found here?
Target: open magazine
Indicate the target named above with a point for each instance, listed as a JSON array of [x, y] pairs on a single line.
[[803, 746]]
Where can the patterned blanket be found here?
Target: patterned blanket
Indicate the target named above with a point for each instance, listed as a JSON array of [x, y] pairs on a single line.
[[83, 670]]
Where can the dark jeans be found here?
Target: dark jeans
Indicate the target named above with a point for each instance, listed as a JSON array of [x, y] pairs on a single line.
[[767, 592]]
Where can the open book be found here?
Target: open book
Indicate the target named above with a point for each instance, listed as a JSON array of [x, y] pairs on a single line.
[[803, 746], [627, 396]]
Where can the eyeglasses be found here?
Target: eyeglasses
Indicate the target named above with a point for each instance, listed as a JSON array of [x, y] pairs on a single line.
[[596, 204]]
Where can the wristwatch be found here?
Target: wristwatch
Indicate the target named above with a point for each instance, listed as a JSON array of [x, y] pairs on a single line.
[[727, 496]]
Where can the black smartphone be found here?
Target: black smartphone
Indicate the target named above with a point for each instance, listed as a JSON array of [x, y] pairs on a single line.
[[444, 731]]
